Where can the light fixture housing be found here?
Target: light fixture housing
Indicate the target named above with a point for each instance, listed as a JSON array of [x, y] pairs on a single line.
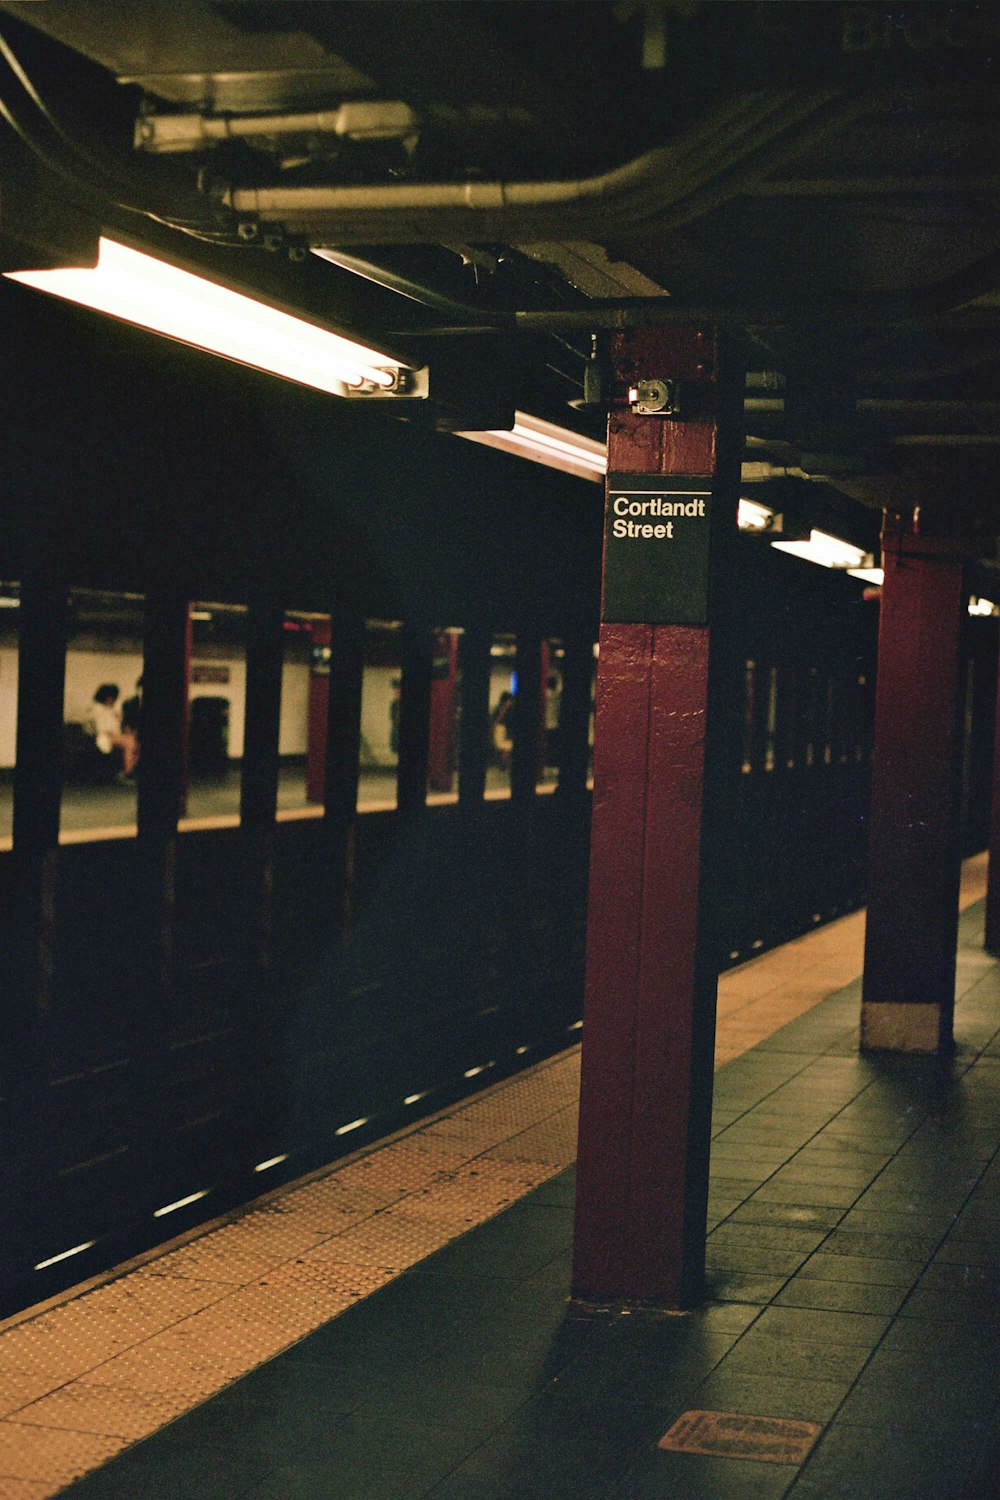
[[751, 515], [826, 550], [153, 294], [546, 443]]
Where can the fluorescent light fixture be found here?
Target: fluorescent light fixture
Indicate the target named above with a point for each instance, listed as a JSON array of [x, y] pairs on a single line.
[[980, 606], [272, 1161], [352, 1125], [752, 516], [169, 1208], [6, 602], [140, 289], [521, 1050], [869, 575], [415, 1098], [829, 551], [545, 443], [201, 614], [475, 1072], [65, 1255]]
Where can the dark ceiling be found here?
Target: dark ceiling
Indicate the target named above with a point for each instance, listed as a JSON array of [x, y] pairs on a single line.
[[497, 184]]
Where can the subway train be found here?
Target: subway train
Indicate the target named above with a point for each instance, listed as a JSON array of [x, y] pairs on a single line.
[[347, 879], [370, 906]]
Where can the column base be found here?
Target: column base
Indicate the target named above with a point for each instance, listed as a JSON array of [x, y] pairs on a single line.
[[618, 1307], [901, 1028]]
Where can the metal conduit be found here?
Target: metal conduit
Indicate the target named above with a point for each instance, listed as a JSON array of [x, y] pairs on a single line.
[[415, 291], [640, 189]]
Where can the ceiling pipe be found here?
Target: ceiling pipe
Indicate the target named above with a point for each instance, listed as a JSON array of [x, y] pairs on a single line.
[[692, 175]]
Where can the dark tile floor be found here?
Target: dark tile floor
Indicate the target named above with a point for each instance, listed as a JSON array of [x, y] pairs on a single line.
[[853, 1260]]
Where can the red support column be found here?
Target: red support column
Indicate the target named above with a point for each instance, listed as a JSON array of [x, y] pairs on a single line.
[[444, 697], [474, 720], [528, 721], [342, 740], [259, 782], [663, 701], [416, 681], [914, 846]]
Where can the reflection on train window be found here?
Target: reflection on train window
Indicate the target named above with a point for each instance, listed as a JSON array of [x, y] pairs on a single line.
[[305, 688], [10, 601], [788, 718], [829, 728], [380, 688], [446, 710], [592, 717], [503, 712], [770, 752], [812, 715], [102, 697], [749, 668], [862, 719], [216, 703], [553, 657]]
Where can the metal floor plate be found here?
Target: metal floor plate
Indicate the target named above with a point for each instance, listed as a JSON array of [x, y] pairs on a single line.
[[724, 1434]]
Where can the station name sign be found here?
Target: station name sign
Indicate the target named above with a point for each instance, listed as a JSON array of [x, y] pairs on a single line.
[[656, 549]]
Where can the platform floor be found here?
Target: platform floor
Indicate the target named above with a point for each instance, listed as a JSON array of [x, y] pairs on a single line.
[[107, 812], [397, 1325]]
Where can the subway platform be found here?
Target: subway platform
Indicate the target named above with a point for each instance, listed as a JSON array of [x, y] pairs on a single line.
[[397, 1324]]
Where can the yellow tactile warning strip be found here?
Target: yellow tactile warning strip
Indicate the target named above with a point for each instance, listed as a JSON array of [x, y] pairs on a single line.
[[83, 1377]]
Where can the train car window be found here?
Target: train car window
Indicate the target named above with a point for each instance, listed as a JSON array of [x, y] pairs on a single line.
[[305, 686], [10, 602], [380, 686], [446, 710], [216, 705], [550, 711], [502, 703], [102, 732]]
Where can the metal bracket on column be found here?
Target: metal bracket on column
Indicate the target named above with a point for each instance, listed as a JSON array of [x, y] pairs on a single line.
[[655, 398]]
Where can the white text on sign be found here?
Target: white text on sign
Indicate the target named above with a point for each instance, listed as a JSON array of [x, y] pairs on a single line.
[[623, 507]]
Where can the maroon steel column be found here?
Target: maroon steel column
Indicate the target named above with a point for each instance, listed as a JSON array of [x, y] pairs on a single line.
[[444, 701], [914, 843], [474, 719], [652, 952], [342, 739]]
